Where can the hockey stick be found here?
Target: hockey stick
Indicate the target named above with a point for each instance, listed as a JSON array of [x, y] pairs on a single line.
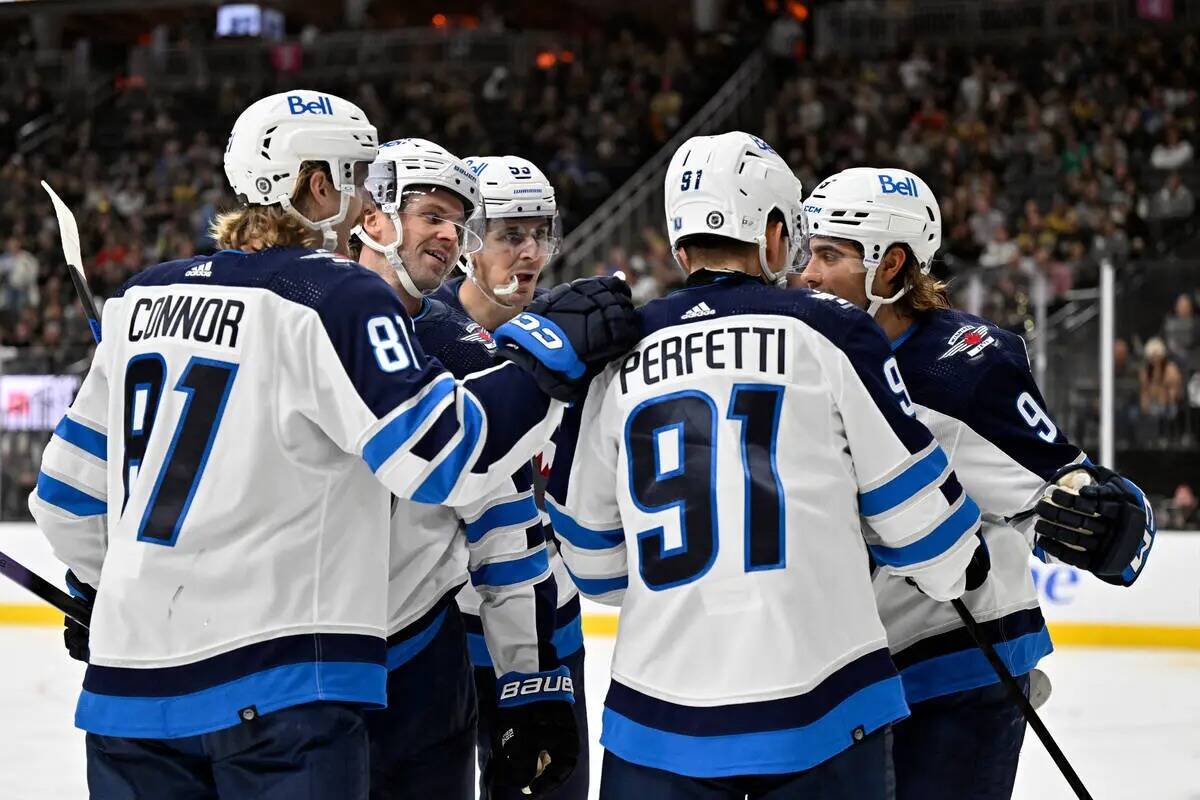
[[73, 608], [68, 229], [1021, 700]]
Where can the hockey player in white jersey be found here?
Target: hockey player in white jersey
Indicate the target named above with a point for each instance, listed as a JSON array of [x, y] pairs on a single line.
[[423, 745], [521, 236], [222, 479], [874, 233], [712, 484]]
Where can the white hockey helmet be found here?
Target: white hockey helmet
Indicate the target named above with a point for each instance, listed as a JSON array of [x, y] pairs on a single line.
[[878, 208], [728, 185], [514, 187], [407, 163], [274, 136]]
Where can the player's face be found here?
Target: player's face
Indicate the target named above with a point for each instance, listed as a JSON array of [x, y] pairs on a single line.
[[433, 223], [835, 267], [514, 248]]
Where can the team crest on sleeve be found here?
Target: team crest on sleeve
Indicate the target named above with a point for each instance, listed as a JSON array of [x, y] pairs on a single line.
[[971, 339], [480, 335]]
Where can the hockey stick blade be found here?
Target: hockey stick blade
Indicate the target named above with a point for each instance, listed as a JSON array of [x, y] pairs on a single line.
[[1018, 696], [68, 230], [23, 576]]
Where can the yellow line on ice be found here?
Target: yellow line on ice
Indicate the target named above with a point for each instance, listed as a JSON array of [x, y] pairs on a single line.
[[1064, 634]]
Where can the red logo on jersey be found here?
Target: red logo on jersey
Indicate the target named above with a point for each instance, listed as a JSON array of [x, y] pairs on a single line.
[[479, 334], [972, 339]]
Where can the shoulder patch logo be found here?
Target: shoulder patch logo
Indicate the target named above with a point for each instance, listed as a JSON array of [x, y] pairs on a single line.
[[971, 339], [697, 311], [203, 270], [480, 335]]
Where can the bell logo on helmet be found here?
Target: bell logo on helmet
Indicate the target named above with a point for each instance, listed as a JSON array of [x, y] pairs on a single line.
[[761, 144], [715, 219], [298, 105], [905, 186]]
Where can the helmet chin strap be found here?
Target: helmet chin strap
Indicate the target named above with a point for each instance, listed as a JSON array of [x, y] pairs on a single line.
[[329, 237], [874, 301], [506, 290], [391, 253]]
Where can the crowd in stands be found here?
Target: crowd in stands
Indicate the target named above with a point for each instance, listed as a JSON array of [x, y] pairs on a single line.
[[1044, 166]]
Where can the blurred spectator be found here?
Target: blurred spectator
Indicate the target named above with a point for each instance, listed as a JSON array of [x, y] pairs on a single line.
[[1126, 392], [1173, 152], [1161, 392], [1181, 333], [1173, 201], [1183, 510], [18, 277]]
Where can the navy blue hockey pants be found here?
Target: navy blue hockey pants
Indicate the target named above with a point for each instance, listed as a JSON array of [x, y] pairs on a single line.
[[423, 743], [860, 772], [576, 787], [307, 752], [963, 746]]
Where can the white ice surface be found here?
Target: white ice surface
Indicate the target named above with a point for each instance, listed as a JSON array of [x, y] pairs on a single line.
[[1128, 719]]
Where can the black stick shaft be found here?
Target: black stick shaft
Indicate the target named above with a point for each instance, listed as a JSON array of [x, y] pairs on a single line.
[[1021, 700], [23, 576], [87, 301]]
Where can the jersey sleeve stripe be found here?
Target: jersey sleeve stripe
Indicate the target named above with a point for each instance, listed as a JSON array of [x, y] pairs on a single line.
[[582, 537], [943, 537], [507, 573], [68, 498], [915, 478], [596, 587], [438, 484], [521, 512], [401, 428], [85, 438]]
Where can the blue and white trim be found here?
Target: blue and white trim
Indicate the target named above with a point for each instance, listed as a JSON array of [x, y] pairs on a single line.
[[924, 470], [961, 520], [581, 536], [408, 421], [90, 440]]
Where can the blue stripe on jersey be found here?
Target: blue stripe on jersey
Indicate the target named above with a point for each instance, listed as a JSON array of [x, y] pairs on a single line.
[[400, 654], [567, 640], [969, 669], [437, 485], [68, 498], [934, 543], [764, 752], [580, 536], [392, 436], [521, 512], [217, 707], [594, 587], [950, 662], [904, 486], [507, 573], [86, 439]]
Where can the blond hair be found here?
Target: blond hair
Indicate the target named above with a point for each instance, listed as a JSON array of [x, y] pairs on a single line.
[[924, 292], [254, 227]]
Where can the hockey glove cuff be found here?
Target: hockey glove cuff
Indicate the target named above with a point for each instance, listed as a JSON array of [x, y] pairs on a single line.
[[536, 741]]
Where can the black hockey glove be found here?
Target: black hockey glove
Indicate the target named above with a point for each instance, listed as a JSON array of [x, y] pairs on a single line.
[[75, 636], [566, 337], [1100, 528], [535, 742]]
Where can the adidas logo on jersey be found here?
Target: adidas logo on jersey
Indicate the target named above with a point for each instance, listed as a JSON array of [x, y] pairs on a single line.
[[697, 311], [971, 338], [200, 271]]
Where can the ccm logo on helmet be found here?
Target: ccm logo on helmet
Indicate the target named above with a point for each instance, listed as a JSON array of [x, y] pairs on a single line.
[[906, 186], [537, 685], [298, 105]]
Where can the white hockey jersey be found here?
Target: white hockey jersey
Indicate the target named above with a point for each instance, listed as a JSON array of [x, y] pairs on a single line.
[[223, 479], [497, 541], [711, 483], [971, 384]]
